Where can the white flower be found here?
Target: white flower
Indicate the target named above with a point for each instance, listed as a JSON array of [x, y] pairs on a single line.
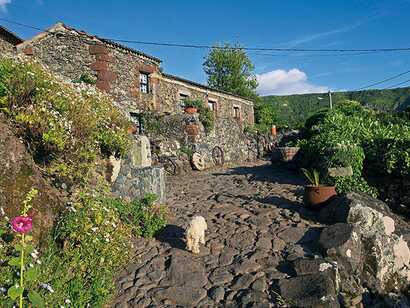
[[47, 287], [67, 301], [2, 213]]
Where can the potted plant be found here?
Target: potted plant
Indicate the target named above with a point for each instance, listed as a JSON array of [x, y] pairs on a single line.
[[191, 109], [192, 105], [316, 195]]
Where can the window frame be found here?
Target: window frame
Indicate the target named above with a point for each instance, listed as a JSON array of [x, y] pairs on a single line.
[[146, 84], [237, 112], [181, 97]]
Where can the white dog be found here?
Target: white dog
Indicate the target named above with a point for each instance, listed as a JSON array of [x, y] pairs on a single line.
[[195, 234]]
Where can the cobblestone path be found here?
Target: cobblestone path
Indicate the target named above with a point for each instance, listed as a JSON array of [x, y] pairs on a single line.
[[256, 225]]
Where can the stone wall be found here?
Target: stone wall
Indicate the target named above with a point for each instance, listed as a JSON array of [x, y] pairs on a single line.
[[5, 46], [71, 53], [185, 130], [169, 89]]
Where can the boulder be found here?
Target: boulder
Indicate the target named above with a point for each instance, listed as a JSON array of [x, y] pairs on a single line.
[[311, 290], [363, 243], [338, 208], [341, 244], [18, 174]]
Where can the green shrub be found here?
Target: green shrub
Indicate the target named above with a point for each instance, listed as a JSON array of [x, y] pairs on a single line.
[[87, 248], [66, 127], [86, 78], [351, 135]]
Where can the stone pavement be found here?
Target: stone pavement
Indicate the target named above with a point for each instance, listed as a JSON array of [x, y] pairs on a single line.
[[256, 226]]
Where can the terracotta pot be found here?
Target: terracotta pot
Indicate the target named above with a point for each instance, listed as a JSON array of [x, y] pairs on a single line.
[[273, 130], [315, 197], [132, 129], [288, 153], [191, 110]]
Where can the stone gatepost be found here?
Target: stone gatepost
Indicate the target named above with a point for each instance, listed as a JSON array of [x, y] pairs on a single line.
[[141, 151], [136, 177]]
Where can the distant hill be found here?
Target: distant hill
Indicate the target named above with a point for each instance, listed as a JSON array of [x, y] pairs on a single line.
[[293, 110]]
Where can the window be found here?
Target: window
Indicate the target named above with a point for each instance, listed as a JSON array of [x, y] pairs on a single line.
[[136, 118], [236, 112], [144, 86], [182, 98], [212, 105]]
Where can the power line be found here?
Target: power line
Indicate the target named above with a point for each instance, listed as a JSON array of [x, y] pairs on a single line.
[[398, 84], [382, 81], [204, 46]]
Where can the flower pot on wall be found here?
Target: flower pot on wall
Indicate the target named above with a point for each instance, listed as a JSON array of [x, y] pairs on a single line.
[[191, 110], [288, 153], [315, 197], [132, 129]]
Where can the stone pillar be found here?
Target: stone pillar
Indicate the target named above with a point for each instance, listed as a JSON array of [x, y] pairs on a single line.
[[141, 152]]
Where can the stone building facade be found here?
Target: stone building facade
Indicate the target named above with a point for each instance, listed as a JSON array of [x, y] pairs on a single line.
[[133, 78], [8, 41]]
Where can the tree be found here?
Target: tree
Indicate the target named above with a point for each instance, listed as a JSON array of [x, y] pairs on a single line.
[[265, 116], [230, 69]]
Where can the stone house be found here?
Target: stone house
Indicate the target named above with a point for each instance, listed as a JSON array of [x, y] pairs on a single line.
[[133, 78], [8, 40], [137, 83]]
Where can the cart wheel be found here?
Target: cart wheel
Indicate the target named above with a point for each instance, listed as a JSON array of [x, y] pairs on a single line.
[[218, 156], [169, 165]]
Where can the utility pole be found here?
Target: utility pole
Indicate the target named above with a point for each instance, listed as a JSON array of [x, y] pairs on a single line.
[[330, 100]]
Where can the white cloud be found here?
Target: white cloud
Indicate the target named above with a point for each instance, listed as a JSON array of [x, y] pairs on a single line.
[[282, 82], [3, 4]]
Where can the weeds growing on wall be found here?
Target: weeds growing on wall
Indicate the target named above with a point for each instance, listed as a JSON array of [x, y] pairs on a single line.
[[66, 128], [206, 115]]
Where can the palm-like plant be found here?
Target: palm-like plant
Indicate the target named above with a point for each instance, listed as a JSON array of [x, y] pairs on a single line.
[[312, 176]]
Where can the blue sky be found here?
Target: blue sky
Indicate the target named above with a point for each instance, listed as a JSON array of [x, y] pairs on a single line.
[[348, 24]]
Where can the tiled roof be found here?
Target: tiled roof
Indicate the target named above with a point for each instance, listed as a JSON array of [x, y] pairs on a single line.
[[13, 38], [200, 85]]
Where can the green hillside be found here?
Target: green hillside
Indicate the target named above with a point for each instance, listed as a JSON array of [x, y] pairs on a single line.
[[293, 110]]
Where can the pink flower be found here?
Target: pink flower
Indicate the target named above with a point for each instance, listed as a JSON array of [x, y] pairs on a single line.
[[22, 224]]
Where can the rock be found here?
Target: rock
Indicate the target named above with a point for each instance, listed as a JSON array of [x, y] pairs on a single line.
[[278, 244], [185, 271], [217, 293], [342, 244], [216, 248], [135, 182], [338, 209], [259, 285], [185, 297], [18, 175], [382, 262], [292, 234], [226, 256], [252, 298], [246, 266], [316, 290], [220, 276], [313, 266], [243, 282]]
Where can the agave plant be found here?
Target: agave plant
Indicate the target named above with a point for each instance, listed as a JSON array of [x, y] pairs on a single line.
[[312, 176]]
